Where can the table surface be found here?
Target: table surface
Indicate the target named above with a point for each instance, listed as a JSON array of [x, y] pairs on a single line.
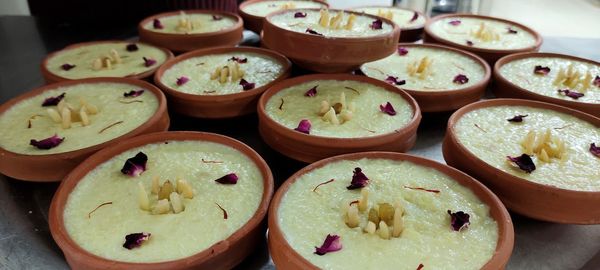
[[25, 240]]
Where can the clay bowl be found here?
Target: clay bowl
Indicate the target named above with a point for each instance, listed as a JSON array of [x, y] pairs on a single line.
[[489, 55], [285, 257], [409, 33], [527, 198], [224, 254], [50, 77], [255, 23], [310, 148], [218, 106], [504, 88], [187, 42], [447, 100], [328, 54], [54, 167]]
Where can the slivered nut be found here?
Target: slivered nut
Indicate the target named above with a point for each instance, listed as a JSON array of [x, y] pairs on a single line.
[[165, 190], [485, 33], [346, 116], [546, 146], [420, 68], [373, 216], [324, 19], [115, 56], [324, 107], [364, 200], [185, 189], [84, 117], [66, 118], [335, 22], [370, 228], [350, 22], [176, 203], [161, 207], [398, 206], [155, 185], [224, 74], [338, 108], [384, 230], [352, 217], [331, 117], [398, 223], [97, 64], [388, 15], [351, 106], [90, 108], [54, 115], [386, 213], [288, 6], [231, 72], [143, 200], [107, 63]]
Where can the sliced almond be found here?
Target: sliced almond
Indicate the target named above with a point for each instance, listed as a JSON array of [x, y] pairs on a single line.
[[155, 185], [353, 217], [85, 120], [143, 200], [363, 202], [185, 189], [398, 223], [54, 115], [165, 190], [324, 107], [176, 202], [161, 207], [384, 230], [66, 118], [370, 228]]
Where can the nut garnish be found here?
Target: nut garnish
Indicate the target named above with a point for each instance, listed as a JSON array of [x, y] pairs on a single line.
[[384, 230], [228, 73], [544, 145], [385, 14], [176, 202], [382, 218], [370, 228], [420, 68], [363, 201], [335, 22], [165, 190], [155, 185], [67, 114], [143, 200], [169, 197], [352, 218], [485, 33], [573, 79], [185, 189], [161, 207]]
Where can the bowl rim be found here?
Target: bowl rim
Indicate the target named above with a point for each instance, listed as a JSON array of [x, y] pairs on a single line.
[[57, 78], [286, 63], [538, 38], [415, 27], [239, 23], [523, 55], [158, 114], [481, 83], [329, 39], [455, 117], [256, 17], [505, 243], [60, 198], [283, 84]]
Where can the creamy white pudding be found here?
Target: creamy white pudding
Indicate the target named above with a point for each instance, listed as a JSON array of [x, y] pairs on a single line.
[[340, 109], [264, 8], [557, 143], [420, 196], [402, 17], [193, 23], [196, 211]]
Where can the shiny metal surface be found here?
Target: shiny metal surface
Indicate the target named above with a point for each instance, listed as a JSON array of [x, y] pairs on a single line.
[[25, 240]]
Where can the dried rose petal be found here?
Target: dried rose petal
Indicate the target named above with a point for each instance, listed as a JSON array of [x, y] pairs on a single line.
[[394, 80], [331, 244], [299, 14], [47, 143], [303, 126], [402, 51], [67, 67], [570, 93], [182, 80], [239, 60], [414, 17], [135, 240], [460, 79], [133, 93], [377, 24], [541, 70], [459, 220], [454, 22], [311, 92], [524, 162], [310, 31], [131, 47], [53, 101], [387, 108], [517, 118], [148, 62], [596, 81], [157, 24], [511, 31], [470, 43], [136, 165], [217, 17], [246, 85], [359, 179], [595, 150], [228, 179]]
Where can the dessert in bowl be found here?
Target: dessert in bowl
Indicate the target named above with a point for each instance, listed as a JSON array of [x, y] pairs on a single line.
[[489, 37], [315, 116], [170, 200], [555, 78], [182, 31], [541, 159], [50, 130], [254, 11], [329, 41], [220, 82], [113, 58], [440, 78], [411, 22], [387, 211]]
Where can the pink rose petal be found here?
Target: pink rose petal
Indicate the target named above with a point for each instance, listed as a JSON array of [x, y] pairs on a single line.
[[304, 126], [47, 143], [332, 243], [359, 179], [388, 109], [459, 220], [135, 240], [228, 179]]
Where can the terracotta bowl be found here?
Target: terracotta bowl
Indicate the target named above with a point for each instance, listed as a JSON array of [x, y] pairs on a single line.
[[489, 55], [218, 106], [222, 255], [255, 23], [527, 198], [53, 167], [188, 42], [409, 33], [285, 257], [310, 148], [447, 100], [50, 77], [328, 54], [504, 88]]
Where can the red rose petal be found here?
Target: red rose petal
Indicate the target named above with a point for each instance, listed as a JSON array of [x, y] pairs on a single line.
[[67, 67], [299, 14], [310, 31], [377, 24], [595, 150], [47, 143], [133, 93], [596, 81], [388, 109], [157, 24], [570, 93], [131, 47], [459, 220], [148, 62], [135, 240], [136, 165], [454, 22], [53, 101], [402, 51], [332, 243], [228, 179], [359, 179], [311, 92], [303, 126], [414, 17], [517, 118], [217, 17], [239, 60], [460, 79], [394, 80], [247, 85], [541, 70], [524, 162], [182, 80]]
